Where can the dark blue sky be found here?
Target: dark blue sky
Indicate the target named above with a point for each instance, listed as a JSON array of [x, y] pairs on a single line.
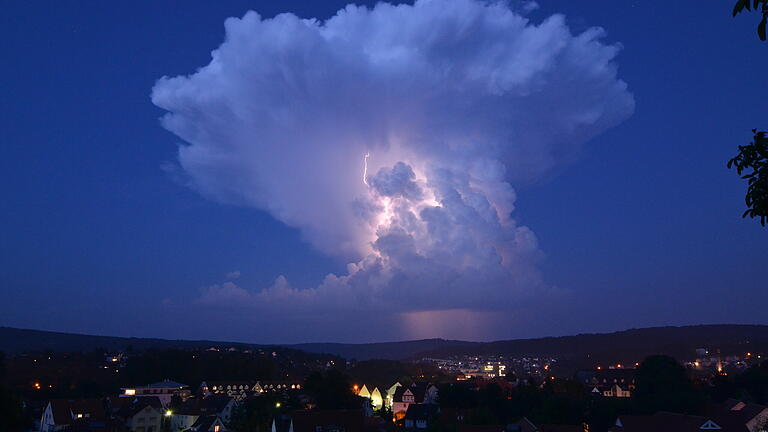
[[645, 226]]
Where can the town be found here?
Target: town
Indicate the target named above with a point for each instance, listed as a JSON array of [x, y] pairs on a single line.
[[230, 389]]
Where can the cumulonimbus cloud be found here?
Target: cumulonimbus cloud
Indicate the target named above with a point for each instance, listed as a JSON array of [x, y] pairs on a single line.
[[452, 101]]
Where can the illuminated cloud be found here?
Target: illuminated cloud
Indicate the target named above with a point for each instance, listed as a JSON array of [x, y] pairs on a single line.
[[454, 101]]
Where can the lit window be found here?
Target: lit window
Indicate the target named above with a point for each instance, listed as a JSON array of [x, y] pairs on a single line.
[[130, 392]]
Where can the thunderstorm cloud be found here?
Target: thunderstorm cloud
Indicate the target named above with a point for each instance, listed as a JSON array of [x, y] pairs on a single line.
[[454, 101]]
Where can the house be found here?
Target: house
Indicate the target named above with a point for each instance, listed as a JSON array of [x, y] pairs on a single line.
[[321, 421], [420, 416], [365, 405], [163, 390], [138, 414], [390, 396], [609, 382], [615, 390], [752, 415], [672, 422], [282, 423], [186, 415], [376, 397], [523, 425], [210, 423], [279, 386], [421, 393], [236, 389], [61, 414]]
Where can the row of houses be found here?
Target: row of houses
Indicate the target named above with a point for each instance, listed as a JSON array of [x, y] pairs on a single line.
[[166, 390], [137, 414], [243, 389], [163, 405], [609, 382], [419, 417], [398, 397], [731, 416]]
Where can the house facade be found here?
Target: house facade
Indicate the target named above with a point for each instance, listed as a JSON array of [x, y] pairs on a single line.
[[238, 390], [163, 390], [62, 414], [185, 416], [421, 393]]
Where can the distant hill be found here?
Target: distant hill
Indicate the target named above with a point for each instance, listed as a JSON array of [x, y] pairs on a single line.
[[626, 347], [14, 340], [383, 350], [583, 350]]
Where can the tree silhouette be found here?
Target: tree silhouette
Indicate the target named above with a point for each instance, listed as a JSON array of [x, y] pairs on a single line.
[[750, 5], [753, 158], [751, 164], [663, 385]]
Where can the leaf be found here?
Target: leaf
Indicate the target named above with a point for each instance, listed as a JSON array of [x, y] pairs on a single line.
[[738, 7]]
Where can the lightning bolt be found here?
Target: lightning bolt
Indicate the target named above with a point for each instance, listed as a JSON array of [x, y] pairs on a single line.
[[365, 168]]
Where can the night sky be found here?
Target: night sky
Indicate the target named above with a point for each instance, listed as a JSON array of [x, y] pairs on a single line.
[[528, 175]]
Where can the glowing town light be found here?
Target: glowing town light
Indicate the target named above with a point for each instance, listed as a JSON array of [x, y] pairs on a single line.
[[168, 413], [277, 405]]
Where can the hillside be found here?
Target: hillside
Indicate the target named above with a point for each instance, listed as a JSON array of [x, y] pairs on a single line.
[[583, 350], [626, 347], [383, 350], [14, 340]]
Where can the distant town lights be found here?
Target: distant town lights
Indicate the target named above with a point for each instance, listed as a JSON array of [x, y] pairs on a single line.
[[168, 413]]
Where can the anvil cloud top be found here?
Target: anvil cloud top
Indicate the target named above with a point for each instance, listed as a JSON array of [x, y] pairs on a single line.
[[444, 103]]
